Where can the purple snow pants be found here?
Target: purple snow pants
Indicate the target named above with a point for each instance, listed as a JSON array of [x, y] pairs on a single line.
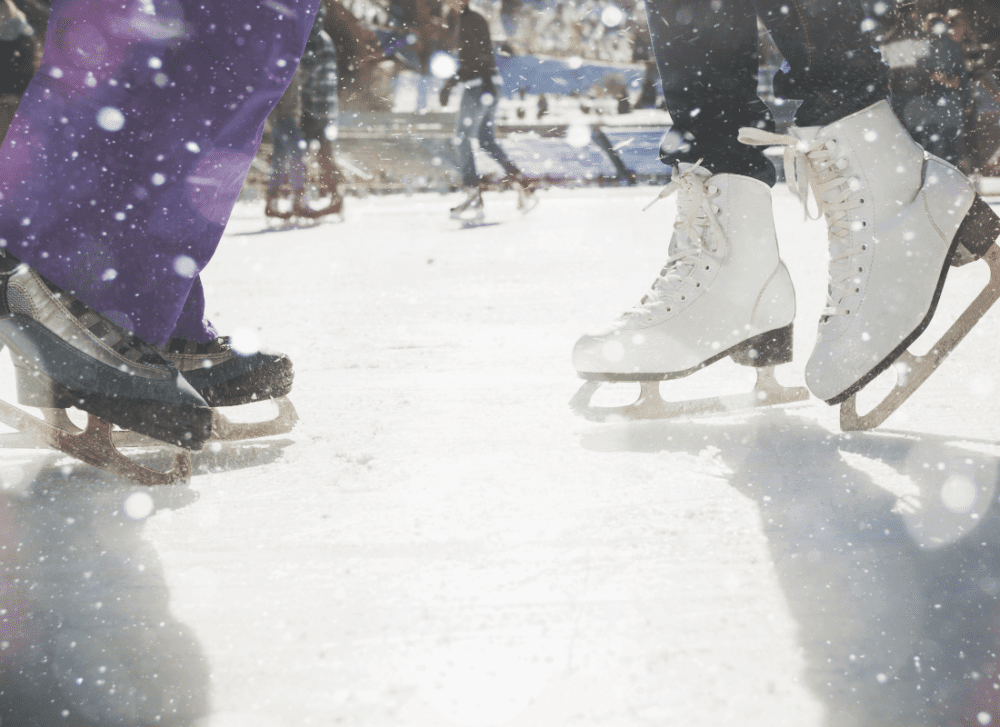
[[131, 144]]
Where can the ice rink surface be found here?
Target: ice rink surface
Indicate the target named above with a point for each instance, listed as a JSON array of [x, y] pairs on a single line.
[[442, 543]]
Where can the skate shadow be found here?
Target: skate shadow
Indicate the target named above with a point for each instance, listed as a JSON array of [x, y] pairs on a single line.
[[886, 545], [88, 637], [477, 225], [50, 465], [279, 228]]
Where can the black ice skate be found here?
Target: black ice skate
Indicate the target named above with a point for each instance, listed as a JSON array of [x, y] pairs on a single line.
[[67, 355], [225, 378]]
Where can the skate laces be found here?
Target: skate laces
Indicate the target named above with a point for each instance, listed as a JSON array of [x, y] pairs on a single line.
[[814, 165], [125, 344], [700, 236]]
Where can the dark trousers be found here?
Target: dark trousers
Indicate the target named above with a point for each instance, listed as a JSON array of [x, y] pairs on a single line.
[[707, 55]]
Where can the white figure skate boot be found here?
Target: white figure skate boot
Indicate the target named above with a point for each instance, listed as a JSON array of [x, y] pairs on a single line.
[[723, 292], [471, 208], [897, 219]]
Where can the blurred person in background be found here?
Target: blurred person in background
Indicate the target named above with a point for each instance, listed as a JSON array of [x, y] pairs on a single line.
[[303, 129], [481, 83], [321, 113], [19, 55], [288, 155], [936, 115]]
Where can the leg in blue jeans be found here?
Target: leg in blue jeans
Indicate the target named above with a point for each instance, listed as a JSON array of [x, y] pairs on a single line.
[[488, 140], [476, 121]]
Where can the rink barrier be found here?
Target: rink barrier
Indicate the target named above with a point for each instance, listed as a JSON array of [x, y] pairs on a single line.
[[404, 153]]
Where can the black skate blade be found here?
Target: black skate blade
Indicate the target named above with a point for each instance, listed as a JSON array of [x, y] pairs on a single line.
[[283, 422], [95, 445], [226, 430], [913, 370], [650, 405]]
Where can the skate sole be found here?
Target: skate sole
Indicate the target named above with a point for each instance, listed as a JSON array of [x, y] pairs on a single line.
[[181, 426], [765, 349], [226, 430], [975, 236], [223, 429]]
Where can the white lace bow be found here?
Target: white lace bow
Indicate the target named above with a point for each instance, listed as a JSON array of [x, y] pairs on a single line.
[[814, 165]]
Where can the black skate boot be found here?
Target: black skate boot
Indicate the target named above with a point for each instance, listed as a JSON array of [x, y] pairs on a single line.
[[66, 354], [226, 378]]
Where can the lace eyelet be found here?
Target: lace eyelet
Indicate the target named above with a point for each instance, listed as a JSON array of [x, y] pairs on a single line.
[[864, 248], [857, 290], [683, 297], [860, 269]]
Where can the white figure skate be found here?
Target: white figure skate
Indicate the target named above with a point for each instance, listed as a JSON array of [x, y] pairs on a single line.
[[471, 208], [723, 292], [898, 218]]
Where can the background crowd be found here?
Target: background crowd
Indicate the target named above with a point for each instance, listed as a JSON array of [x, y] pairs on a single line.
[[944, 58]]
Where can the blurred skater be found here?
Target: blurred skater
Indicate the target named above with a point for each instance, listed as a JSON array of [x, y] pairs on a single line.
[[288, 155], [320, 117], [480, 81]]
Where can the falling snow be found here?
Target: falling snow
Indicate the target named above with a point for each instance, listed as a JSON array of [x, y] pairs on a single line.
[[441, 542]]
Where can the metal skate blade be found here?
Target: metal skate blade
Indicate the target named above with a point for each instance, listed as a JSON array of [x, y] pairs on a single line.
[[93, 445], [914, 370], [527, 205], [225, 430], [650, 405]]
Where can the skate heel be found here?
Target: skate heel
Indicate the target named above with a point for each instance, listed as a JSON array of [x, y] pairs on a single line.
[[978, 231], [765, 349], [36, 389]]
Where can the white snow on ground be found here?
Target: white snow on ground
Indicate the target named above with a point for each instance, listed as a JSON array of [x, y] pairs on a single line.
[[440, 542]]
